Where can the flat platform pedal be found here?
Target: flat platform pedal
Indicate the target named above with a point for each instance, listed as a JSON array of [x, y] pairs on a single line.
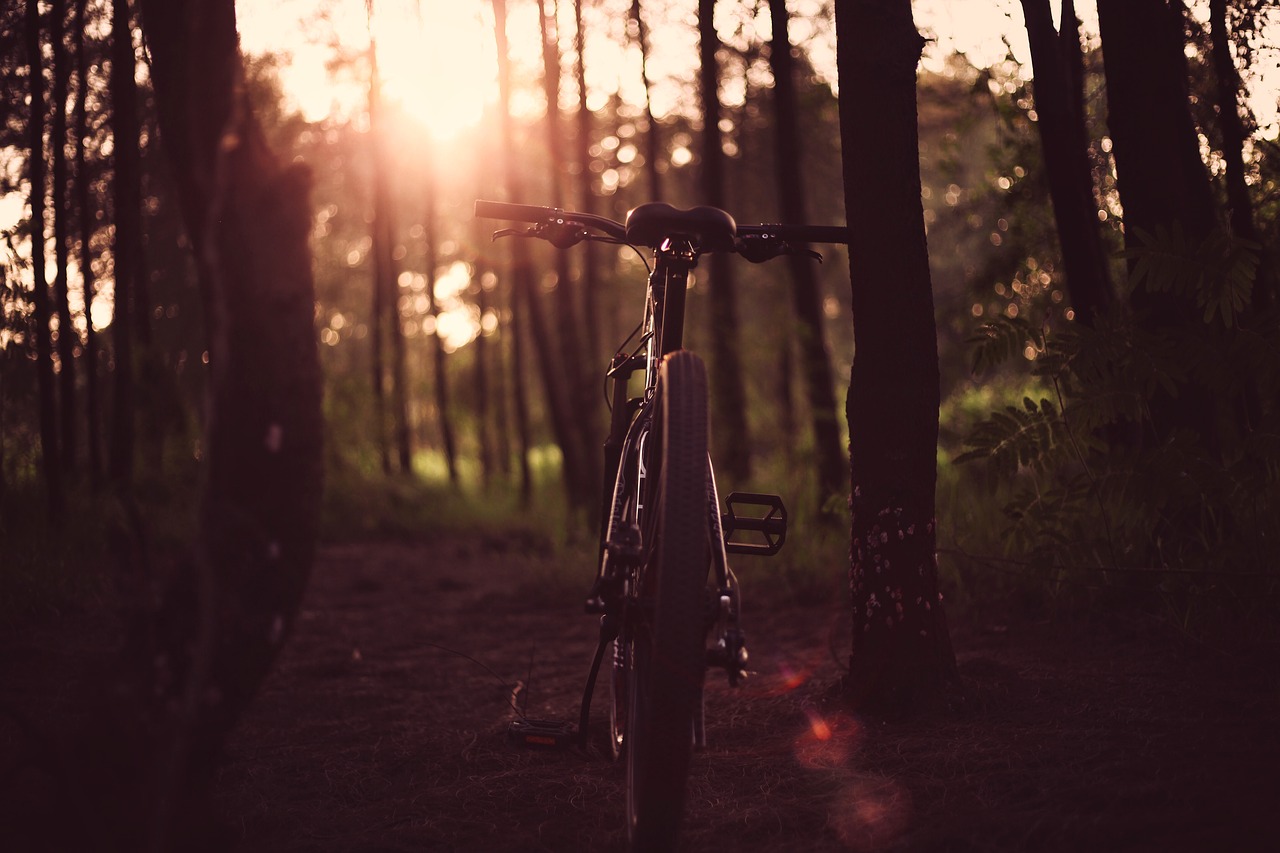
[[763, 515], [542, 734]]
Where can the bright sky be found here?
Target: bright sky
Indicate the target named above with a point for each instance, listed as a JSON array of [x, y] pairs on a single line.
[[450, 44]]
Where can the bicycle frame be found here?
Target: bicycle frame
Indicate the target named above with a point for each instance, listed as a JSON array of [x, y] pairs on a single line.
[[663, 588]]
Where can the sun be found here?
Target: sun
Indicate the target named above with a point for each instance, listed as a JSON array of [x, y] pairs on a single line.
[[437, 62]]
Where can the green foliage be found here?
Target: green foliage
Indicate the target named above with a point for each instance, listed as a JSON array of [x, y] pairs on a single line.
[[1218, 274], [1032, 436], [1105, 481]]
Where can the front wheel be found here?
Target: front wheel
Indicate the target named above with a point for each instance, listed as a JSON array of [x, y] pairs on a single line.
[[668, 637]]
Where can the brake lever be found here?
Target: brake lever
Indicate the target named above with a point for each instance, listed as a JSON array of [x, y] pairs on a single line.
[[559, 234]]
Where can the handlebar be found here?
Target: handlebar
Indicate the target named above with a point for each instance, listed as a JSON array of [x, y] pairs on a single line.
[[712, 230]]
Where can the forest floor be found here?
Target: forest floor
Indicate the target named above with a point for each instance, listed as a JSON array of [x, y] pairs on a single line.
[[383, 726]]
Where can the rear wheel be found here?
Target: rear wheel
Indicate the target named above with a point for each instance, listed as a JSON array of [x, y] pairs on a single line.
[[668, 635]]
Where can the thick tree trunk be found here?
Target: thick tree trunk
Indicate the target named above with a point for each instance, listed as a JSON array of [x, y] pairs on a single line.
[[1161, 177], [901, 659], [1163, 183], [198, 665], [806, 293], [49, 450], [127, 249], [1064, 140], [86, 207], [728, 394]]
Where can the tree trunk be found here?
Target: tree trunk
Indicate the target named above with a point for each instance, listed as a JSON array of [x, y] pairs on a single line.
[[653, 137], [68, 337], [577, 427], [806, 292], [901, 658], [480, 354], [590, 257], [1162, 181], [49, 450], [128, 239], [728, 395], [1161, 177], [441, 373], [1064, 141], [222, 625], [1240, 206], [521, 268], [86, 207], [386, 288]]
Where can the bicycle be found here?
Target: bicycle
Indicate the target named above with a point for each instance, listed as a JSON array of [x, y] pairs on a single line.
[[668, 602]]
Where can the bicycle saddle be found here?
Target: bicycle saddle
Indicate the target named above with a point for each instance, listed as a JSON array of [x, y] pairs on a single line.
[[708, 228]]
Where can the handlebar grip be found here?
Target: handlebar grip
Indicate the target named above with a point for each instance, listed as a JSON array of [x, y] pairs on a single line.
[[513, 212]]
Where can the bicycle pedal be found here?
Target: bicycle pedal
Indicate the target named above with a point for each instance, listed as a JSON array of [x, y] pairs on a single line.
[[541, 734]]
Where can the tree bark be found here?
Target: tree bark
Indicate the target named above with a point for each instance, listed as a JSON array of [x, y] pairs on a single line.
[[1161, 177], [1163, 183], [653, 136], [86, 207], [49, 450], [577, 427], [1064, 140], [805, 290], [521, 274], [590, 282], [223, 622], [1239, 205], [441, 372], [127, 249], [728, 394], [901, 658], [68, 337], [386, 288]]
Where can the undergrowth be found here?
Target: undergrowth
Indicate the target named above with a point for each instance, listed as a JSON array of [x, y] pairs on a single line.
[[1141, 467]]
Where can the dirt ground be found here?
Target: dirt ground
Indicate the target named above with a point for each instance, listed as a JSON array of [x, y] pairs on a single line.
[[384, 725]]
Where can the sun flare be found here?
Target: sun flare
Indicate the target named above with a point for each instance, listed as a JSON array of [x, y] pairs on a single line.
[[437, 63]]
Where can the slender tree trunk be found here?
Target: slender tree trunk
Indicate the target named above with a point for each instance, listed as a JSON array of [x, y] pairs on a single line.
[[86, 207], [441, 373], [728, 394], [578, 436], [902, 659], [806, 292], [1240, 206], [483, 392], [385, 281], [378, 290], [1065, 143], [590, 257], [128, 240], [198, 666], [68, 337], [653, 138], [49, 450], [521, 267]]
